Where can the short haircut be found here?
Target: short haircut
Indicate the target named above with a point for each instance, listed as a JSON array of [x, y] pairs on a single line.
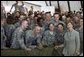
[[47, 13], [23, 21], [71, 23], [49, 24], [60, 24], [56, 13]]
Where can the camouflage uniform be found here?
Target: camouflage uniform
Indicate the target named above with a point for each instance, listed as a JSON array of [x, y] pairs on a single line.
[[81, 38], [59, 41], [18, 39], [48, 38], [3, 38], [45, 25], [56, 23], [60, 37], [32, 40], [17, 24], [9, 29], [32, 24]]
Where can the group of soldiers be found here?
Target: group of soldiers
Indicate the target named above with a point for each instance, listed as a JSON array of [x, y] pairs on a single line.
[[39, 30]]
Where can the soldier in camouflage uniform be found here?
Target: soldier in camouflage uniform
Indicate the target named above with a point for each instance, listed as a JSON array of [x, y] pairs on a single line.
[[47, 20], [9, 29], [33, 37], [17, 24], [18, 36], [49, 36], [80, 30], [3, 37], [56, 20], [59, 40], [18, 6]]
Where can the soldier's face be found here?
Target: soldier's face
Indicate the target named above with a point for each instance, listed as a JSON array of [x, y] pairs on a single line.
[[56, 16], [69, 26], [37, 29], [60, 27], [25, 24], [48, 16], [51, 27]]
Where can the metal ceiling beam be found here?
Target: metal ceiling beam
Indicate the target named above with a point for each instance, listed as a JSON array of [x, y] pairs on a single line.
[[69, 6], [58, 5], [46, 3], [81, 4], [50, 3]]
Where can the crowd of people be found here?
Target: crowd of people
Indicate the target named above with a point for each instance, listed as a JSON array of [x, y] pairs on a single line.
[[63, 31]]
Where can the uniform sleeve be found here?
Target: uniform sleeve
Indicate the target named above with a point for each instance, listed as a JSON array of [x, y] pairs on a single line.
[[64, 40], [21, 40], [44, 38], [77, 39], [27, 36], [39, 37], [3, 34]]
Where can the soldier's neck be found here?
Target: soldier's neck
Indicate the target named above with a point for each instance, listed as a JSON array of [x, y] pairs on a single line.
[[71, 29], [51, 30], [22, 27]]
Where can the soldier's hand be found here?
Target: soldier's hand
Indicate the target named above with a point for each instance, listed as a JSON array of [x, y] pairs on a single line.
[[40, 46], [28, 49], [56, 47], [77, 52], [61, 45]]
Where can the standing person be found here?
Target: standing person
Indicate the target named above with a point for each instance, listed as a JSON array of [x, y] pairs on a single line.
[[31, 10], [16, 16], [17, 24], [80, 30], [33, 37], [49, 36], [59, 40], [18, 36], [71, 42], [3, 37], [76, 22], [47, 20], [18, 6], [56, 20], [8, 29], [32, 21]]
